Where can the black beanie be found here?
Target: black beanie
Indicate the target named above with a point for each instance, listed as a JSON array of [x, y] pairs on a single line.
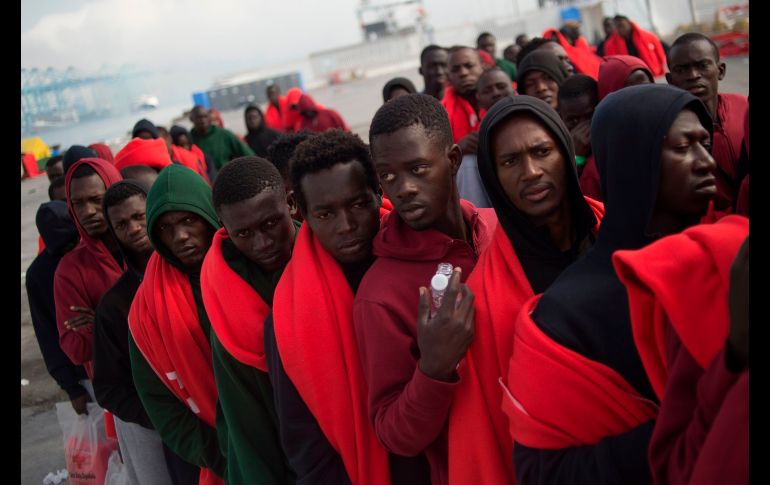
[[75, 153], [544, 61], [144, 125]]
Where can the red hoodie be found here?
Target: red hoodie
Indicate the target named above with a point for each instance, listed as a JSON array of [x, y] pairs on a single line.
[[408, 408], [462, 117], [649, 47], [325, 119], [614, 71], [289, 113], [84, 274], [729, 129], [581, 55], [102, 151], [152, 153], [273, 118]]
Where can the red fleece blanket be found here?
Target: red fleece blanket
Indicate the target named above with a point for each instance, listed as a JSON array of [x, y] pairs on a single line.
[[190, 160], [648, 45], [462, 117], [273, 117], [235, 309], [164, 324], [313, 313], [480, 448], [682, 281], [584, 60], [557, 398]]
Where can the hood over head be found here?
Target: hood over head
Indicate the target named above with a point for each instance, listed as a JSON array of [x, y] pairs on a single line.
[[614, 70], [55, 226]]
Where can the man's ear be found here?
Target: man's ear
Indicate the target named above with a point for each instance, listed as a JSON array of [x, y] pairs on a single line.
[[291, 201], [455, 158], [722, 70]]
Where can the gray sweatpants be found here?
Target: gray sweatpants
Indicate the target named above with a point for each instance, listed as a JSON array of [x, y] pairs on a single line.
[[142, 453]]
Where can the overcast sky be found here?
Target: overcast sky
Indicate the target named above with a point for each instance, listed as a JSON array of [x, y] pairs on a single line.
[[218, 34]]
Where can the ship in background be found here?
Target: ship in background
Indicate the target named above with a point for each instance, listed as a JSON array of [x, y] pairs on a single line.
[[383, 18], [145, 102]]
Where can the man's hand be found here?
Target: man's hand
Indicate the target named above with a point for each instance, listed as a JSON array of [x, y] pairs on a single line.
[[738, 302], [470, 143], [86, 317], [79, 404], [581, 138], [444, 339]]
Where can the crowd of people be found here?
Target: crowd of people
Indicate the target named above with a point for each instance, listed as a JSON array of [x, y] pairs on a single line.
[[262, 308]]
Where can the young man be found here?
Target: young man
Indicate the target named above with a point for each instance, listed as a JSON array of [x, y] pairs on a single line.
[[460, 97], [88, 271], [540, 75], [180, 137], [577, 49], [548, 45], [145, 129], [238, 279], [511, 53], [59, 235], [276, 104], [54, 167], [219, 143], [695, 67], [546, 224], [488, 44], [319, 386], [398, 86], [618, 72], [169, 341], [259, 135], [56, 190], [578, 97], [700, 368], [281, 151], [567, 427], [141, 448], [630, 39], [434, 69], [493, 85], [315, 118], [609, 28], [409, 361]]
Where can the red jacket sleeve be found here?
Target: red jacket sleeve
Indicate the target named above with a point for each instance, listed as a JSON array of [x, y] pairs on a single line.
[[70, 290], [690, 404], [408, 408]]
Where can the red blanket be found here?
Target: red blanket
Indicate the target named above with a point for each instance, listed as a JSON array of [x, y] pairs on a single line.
[[648, 45], [273, 118], [313, 313], [480, 448], [164, 324], [152, 153], [190, 160], [688, 292], [235, 309], [462, 116], [557, 398], [581, 55]]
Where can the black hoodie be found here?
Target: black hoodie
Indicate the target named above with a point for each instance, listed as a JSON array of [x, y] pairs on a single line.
[[59, 235], [586, 308], [261, 138], [113, 381], [541, 260]]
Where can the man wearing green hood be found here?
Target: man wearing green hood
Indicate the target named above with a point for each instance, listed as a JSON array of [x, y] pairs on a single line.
[[220, 144], [169, 341]]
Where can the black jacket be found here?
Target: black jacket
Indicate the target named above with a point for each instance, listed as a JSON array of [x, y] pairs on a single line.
[[586, 308], [59, 235]]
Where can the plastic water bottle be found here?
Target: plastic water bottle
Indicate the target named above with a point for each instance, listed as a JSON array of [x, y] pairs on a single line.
[[438, 286]]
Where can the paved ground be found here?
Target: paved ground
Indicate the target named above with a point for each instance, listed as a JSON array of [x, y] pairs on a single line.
[[41, 446]]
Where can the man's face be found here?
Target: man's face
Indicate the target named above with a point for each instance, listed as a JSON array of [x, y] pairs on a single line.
[[576, 110], [184, 141], [530, 166], [186, 234], [541, 86], [522, 41], [55, 171], [346, 219], [200, 120], [417, 175], [609, 27], [687, 182], [253, 120], [492, 87], [59, 194], [559, 51], [488, 43], [435, 67], [464, 70], [511, 52], [694, 68], [624, 28], [86, 194], [261, 228], [129, 223], [637, 77], [274, 95]]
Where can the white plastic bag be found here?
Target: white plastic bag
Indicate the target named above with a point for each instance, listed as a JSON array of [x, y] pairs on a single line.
[[117, 473], [86, 448]]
